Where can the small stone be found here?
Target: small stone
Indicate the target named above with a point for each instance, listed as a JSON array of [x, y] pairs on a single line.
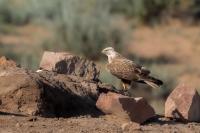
[[130, 126], [33, 119], [18, 125]]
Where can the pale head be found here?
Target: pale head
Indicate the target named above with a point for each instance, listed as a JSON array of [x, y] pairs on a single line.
[[110, 52]]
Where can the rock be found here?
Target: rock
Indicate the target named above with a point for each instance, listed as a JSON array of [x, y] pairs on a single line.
[[133, 109], [67, 94], [18, 92], [5, 62], [32, 119], [105, 88], [46, 93], [18, 125], [130, 127], [72, 90], [183, 104], [66, 63]]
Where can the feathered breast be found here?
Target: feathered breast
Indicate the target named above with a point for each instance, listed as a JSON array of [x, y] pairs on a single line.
[[123, 69]]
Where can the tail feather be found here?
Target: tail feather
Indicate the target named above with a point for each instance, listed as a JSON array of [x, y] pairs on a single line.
[[153, 82], [153, 85]]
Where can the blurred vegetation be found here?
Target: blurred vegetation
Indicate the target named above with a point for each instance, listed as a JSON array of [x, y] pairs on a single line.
[[151, 11], [78, 27], [81, 26], [24, 11]]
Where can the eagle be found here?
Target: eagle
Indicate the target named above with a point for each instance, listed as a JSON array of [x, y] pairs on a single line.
[[128, 71]]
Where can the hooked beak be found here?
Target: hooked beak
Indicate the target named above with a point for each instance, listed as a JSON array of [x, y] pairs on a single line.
[[103, 51]]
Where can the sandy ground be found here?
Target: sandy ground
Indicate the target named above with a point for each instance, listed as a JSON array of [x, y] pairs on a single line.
[[87, 124]]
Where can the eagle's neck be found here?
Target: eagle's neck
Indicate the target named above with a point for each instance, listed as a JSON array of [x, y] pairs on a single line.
[[112, 56]]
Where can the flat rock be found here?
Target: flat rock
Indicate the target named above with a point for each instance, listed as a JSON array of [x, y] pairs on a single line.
[[183, 104], [133, 109], [66, 63]]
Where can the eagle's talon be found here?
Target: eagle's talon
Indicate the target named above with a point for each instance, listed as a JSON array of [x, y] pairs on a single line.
[[124, 87]]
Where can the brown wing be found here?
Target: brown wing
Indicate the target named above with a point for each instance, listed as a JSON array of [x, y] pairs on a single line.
[[126, 69]]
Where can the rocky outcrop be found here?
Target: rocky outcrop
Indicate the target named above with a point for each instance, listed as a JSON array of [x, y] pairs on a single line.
[[67, 85], [66, 63], [18, 92], [183, 104], [47, 93], [133, 109]]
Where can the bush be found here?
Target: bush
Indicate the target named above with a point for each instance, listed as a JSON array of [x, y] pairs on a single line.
[[23, 11], [28, 59], [82, 27], [88, 27]]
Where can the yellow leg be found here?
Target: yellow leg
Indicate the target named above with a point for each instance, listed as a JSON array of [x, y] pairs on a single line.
[[125, 86]]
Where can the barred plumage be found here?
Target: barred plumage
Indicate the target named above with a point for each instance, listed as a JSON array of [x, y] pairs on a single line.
[[127, 70]]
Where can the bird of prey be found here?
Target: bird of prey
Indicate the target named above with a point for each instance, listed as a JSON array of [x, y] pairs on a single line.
[[128, 71]]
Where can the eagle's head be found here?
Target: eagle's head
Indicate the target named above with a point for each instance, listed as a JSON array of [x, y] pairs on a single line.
[[110, 52]]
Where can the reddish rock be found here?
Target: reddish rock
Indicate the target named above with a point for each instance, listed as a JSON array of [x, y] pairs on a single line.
[[47, 93], [19, 93], [5, 62], [134, 109], [183, 103], [66, 63]]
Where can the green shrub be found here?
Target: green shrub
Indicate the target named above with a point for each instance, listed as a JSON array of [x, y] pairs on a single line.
[[26, 56], [142, 10], [88, 27], [23, 11], [147, 11], [81, 27]]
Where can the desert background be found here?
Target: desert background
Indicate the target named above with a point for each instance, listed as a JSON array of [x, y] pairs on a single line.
[[162, 35]]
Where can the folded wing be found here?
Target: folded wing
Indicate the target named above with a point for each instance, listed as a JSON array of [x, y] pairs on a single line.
[[126, 69]]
